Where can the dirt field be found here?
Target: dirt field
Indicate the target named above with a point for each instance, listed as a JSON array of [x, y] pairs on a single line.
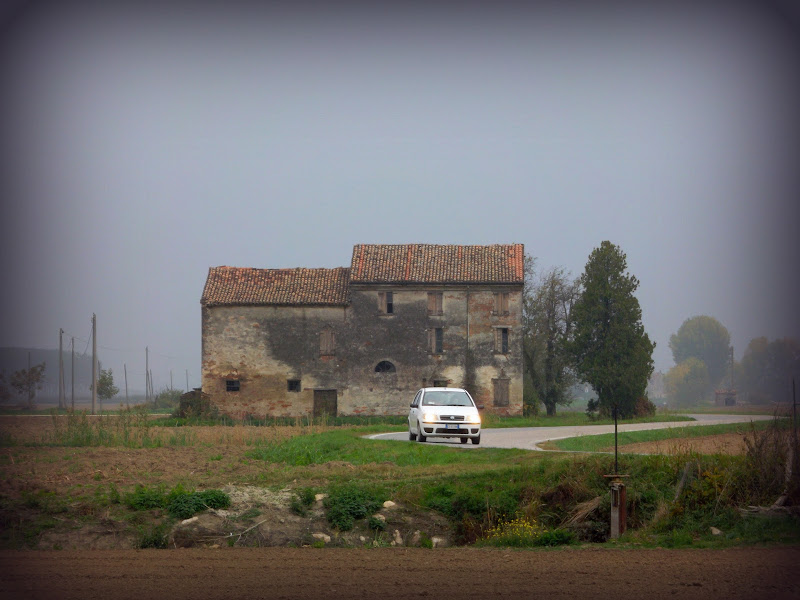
[[739, 573]]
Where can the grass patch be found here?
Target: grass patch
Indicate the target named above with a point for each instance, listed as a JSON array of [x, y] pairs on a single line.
[[348, 446], [569, 419], [605, 441]]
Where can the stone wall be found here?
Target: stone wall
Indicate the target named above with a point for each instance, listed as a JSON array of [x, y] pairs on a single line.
[[262, 347]]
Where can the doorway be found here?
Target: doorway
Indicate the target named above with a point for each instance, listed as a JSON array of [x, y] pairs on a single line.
[[325, 403]]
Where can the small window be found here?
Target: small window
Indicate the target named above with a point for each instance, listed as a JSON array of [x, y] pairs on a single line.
[[501, 303], [326, 342], [436, 340], [500, 392], [231, 385], [434, 303], [440, 382], [385, 367], [293, 385], [501, 340], [386, 302]]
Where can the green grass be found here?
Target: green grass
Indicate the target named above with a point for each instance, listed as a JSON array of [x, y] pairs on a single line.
[[348, 445], [604, 442], [568, 419]]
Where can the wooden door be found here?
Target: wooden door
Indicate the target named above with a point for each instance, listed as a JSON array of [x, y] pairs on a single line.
[[324, 403]]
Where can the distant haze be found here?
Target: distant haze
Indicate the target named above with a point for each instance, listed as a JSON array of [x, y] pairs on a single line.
[[141, 145]]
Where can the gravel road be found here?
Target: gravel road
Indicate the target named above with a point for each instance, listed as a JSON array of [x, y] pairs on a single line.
[[528, 438]]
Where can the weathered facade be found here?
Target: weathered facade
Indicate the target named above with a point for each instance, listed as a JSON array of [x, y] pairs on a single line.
[[363, 340]]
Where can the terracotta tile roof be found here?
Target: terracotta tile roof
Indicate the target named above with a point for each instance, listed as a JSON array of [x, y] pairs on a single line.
[[237, 286], [430, 263]]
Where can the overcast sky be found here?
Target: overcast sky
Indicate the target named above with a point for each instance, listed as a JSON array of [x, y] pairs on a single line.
[[142, 145]]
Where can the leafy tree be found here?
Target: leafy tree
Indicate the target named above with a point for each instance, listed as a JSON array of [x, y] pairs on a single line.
[[106, 389], [28, 381], [547, 319], [706, 339], [687, 383], [767, 369], [610, 347]]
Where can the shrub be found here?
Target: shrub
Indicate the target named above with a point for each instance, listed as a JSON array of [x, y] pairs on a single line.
[[644, 407], [182, 504], [143, 498], [197, 405], [347, 503]]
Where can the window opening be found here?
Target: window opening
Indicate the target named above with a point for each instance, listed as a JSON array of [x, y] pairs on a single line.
[[386, 302], [385, 367], [501, 340], [293, 385], [437, 340], [232, 385]]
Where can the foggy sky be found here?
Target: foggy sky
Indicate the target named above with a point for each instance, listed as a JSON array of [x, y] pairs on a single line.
[[143, 144]]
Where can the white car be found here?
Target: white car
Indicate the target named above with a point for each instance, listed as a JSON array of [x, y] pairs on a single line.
[[444, 412]]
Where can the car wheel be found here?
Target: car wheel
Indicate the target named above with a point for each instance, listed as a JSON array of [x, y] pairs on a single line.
[[420, 437], [477, 440], [411, 436], [464, 440]]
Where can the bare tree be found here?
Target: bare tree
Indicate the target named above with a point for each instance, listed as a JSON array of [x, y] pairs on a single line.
[[547, 317]]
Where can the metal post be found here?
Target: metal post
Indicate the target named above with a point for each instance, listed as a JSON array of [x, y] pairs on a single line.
[[94, 361], [616, 450], [73, 373], [61, 400]]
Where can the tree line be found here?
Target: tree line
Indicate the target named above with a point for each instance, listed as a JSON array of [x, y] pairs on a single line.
[[704, 363]]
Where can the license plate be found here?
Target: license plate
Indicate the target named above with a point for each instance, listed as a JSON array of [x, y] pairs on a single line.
[[452, 425]]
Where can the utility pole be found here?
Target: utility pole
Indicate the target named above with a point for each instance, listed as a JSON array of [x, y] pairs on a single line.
[[187, 380], [146, 375], [125, 367], [61, 399], [94, 361], [170, 380], [30, 384], [73, 373]]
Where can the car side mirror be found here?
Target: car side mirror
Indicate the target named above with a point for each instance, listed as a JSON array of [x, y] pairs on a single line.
[[412, 406], [479, 407]]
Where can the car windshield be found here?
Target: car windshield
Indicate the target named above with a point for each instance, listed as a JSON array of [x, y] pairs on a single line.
[[446, 398]]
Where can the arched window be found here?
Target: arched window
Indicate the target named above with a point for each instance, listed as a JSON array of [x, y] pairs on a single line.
[[385, 367]]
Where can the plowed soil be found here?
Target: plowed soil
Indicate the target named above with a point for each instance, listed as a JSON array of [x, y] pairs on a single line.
[[308, 573]]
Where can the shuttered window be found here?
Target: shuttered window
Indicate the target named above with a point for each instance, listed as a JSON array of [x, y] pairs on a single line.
[[500, 392], [327, 342], [434, 303], [501, 303]]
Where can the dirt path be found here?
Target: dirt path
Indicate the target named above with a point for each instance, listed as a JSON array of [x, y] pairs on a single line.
[[732, 574]]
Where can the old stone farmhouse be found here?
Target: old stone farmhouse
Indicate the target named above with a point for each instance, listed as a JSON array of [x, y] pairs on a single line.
[[363, 340]]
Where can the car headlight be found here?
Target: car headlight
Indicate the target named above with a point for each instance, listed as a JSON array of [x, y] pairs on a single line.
[[430, 417], [473, 419]]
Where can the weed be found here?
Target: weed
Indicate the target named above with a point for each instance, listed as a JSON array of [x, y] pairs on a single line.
[[346, 503], [183, 504], [153, 536], [376, 524], [143, 498]]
